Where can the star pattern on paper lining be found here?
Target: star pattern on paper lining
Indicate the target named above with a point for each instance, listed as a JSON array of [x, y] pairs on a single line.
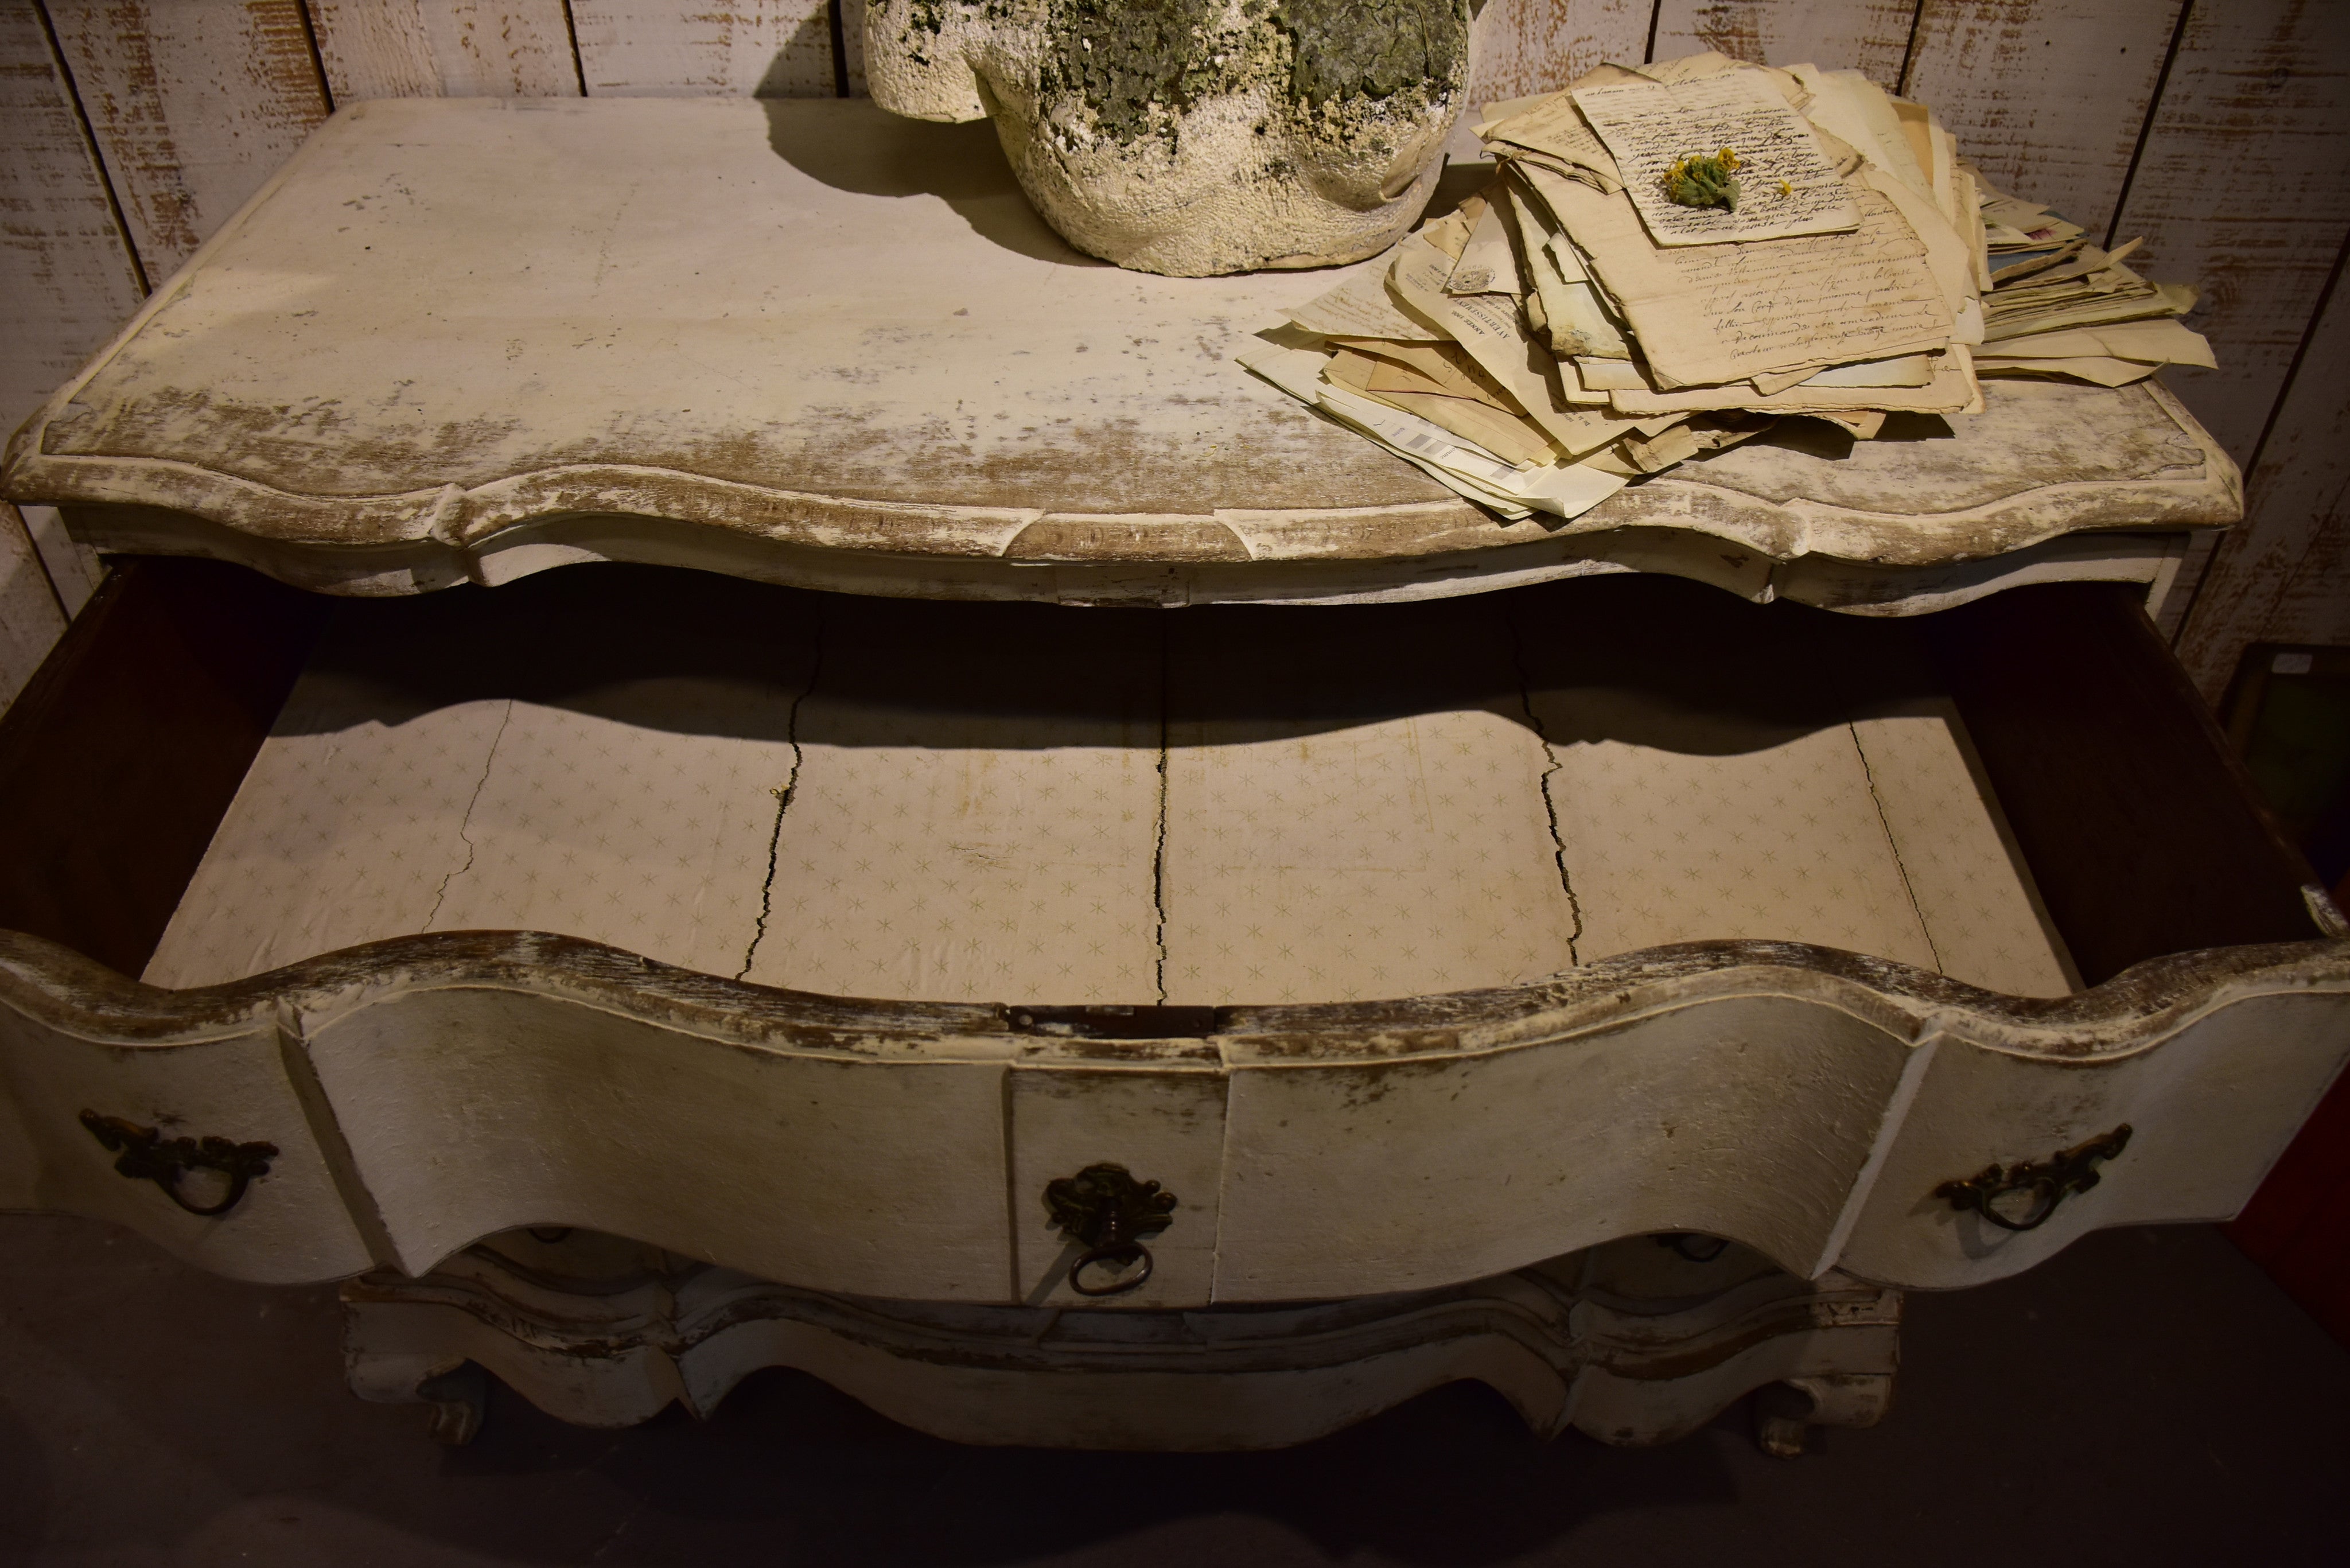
[[932, 854], [1985, 927], [1383, 859], [958, 871], [344, 831], [1779, 842], [650, 839]]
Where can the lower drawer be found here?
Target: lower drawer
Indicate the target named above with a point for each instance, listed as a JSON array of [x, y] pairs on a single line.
[[820, 936]]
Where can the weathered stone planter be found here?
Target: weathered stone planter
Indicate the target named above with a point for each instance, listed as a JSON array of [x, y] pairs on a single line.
[[1194, 137]]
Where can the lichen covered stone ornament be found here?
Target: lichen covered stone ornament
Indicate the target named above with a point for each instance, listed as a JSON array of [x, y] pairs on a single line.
[[1194, 137]]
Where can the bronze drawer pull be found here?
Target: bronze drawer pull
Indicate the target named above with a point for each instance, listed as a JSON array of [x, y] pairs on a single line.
[[2049, 1181], [147, 1156], [1109, 1213]]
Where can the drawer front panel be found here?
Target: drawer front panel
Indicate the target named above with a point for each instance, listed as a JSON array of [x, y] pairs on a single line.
[[472, 1110], [1166, 1126], [2210, 1108], [290, 1225], [1749, 1116], [1815, 1123]]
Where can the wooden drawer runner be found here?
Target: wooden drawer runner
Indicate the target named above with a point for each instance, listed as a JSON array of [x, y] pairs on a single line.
[[1404, 944]]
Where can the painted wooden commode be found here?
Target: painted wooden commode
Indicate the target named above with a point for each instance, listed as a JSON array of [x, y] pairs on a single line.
[[1531, 962]]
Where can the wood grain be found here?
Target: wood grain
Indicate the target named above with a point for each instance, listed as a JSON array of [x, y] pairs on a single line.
[[74, 567], [851, 16], [1129, 446], [444, 49], [67, 277], [2171, 615], [118, 762], [2239, 191], [679, 49], [2075, 671], [1871, 37], [2284, 574], [31, 619], [1522, 46], [2048, 97], [194, 103]]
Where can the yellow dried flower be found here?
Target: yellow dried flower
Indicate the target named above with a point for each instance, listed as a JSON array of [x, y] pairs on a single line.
[[1697, 180]]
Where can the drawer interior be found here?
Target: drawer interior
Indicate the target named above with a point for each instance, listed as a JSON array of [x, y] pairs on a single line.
[[1008, 803], [1012, 803]]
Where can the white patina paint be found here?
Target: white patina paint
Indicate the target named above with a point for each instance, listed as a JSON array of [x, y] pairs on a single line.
[[456, 339]]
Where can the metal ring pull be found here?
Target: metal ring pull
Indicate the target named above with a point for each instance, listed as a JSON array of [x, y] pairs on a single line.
[[147, 1156], [2049, 1181], [1124, 1254], [1105, 1209], [1691, 1245]]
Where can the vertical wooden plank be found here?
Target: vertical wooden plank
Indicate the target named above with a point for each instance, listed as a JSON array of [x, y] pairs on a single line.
[[1523, 46], [2284, 574], [2046, 96], [31, 620], [66, 279], [1871, 37], [852, 14], [444, 49], [74, 567], [685, 48], [2240, 191], [195, 102], [2197, 560]]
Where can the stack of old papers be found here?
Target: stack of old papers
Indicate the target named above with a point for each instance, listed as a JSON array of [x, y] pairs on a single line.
[[2059, 305], [1576, 325]]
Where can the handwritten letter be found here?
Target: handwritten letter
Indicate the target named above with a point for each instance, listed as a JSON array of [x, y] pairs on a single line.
[[1705, 315], [1787, 186]]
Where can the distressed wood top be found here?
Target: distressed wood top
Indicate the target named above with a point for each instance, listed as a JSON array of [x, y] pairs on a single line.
[[725, 327]]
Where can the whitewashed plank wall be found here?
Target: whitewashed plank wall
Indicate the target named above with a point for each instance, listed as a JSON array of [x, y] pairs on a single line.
[[1871, 37], [31, 617], [64, 269], [194, 104], [68, 280], [2047, 98], [1524, 47], [129, 129], [2284, 576], [444, 49], [2240, 189], [676, 49]]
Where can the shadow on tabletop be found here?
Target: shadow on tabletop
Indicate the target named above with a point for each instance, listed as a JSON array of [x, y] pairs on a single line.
[[876, 154], [1654, 662], [964, 165], [1833, 444], [807, 52]]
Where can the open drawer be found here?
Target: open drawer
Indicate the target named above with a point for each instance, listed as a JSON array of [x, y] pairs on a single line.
[[816, 935]]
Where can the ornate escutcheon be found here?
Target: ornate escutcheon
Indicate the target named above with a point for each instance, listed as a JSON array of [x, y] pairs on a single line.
[[2048, 1182], [147, 1156], [1105, 1210]]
